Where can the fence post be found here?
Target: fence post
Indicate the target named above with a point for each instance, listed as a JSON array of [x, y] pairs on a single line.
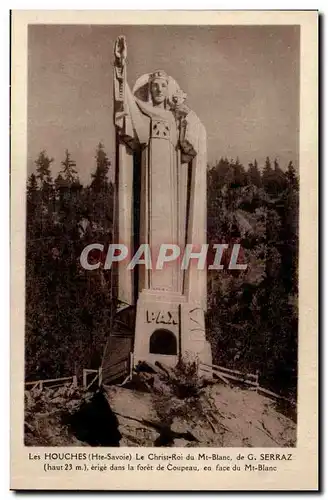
[[74, 380], [131, 365], [84, 378], [100, 376]]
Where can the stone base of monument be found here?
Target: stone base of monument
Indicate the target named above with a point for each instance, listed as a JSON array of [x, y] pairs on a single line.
[[168, 328]]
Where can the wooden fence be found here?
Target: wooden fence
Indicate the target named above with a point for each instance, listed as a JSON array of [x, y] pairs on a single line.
[[72, 380], [124, 368], [51, 382], [226, 374], [97, 377], [250, 379]]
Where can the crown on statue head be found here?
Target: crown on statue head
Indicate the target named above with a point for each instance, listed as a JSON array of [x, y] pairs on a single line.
[[158, 74]]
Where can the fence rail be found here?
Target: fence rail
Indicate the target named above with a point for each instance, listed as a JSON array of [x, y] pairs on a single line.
[[51, 382], [233, 372], [89, 376], [97, 377], [251, 379], [227, 374], [125, 367], [61, 381]]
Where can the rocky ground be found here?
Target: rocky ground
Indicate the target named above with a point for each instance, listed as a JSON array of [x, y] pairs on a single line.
[[158, 407]]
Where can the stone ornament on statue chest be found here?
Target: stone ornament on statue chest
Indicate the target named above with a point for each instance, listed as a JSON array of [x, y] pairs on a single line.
[[160, 129]]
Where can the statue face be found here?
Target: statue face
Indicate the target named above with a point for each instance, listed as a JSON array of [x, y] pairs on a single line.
[[158, 91]]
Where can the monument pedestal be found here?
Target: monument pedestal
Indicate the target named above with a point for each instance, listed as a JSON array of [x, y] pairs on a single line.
[[169, 328]]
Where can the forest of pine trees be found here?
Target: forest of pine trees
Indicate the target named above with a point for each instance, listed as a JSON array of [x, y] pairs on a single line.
[[252, 315]]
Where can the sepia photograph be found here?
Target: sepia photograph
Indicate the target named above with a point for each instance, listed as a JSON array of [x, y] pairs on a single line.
[[164, 180], [145, 144]]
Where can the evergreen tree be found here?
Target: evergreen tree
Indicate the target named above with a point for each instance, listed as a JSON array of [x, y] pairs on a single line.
[[32, 187], [278, 182], [59, 182], [291, 176], [290, 231], [43, 164], [60, 185], [32, 198], [99, 196], [68, 190], [267, 174], [273, 178], [43, 174], [253, 174], [100, 177], [68, 170], [239, 174], [219, 173]]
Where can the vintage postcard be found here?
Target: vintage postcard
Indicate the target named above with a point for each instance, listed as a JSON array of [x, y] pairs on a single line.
[[164, 250]]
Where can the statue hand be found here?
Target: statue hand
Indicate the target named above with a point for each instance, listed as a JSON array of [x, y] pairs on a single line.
[[120, 51], [177, 103], [182, 110]]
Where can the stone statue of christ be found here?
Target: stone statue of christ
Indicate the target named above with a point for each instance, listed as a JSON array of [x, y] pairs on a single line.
[[161, 180]]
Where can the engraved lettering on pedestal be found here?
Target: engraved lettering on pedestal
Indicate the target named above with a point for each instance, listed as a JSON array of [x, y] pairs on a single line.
[[161, 317]]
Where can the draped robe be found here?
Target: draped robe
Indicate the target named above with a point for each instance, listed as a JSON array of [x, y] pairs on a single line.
[[161, 190]]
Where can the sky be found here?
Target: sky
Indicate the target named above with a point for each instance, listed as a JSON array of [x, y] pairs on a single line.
[[241, 81]]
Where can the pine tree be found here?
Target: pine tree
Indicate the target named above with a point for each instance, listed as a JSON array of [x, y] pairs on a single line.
[[267, 170], [267, 176], [43, 164], [100, 177], [98, 201], [32, 187], [290, 214], [253, 174], [278, 182], [219, 173], [32, 199], [291, 176], [68, 170], [43, 169], [60, 185], [59, 181], [239, 174]]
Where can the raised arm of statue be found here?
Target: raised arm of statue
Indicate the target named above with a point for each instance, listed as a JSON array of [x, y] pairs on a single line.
[[120, 53], [131, 124]]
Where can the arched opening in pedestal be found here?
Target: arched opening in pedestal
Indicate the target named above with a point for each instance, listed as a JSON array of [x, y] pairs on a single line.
[[163, 341]]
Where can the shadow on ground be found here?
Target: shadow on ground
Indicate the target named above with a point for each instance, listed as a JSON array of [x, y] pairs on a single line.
[[95, 423]]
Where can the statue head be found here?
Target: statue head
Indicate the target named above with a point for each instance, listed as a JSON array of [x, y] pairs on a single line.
[[158, 87]]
